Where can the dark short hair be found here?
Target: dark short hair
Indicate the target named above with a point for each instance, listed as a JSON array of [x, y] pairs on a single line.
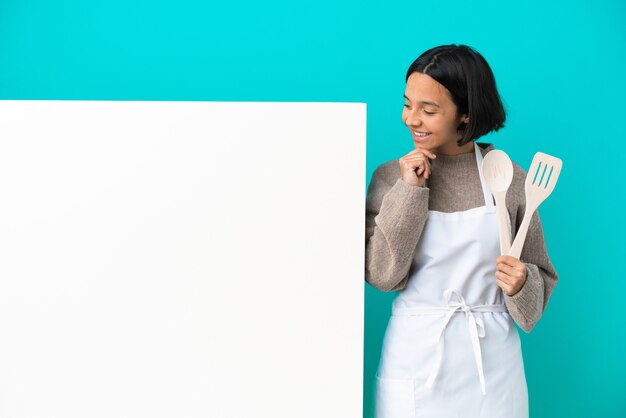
[[470, 81]]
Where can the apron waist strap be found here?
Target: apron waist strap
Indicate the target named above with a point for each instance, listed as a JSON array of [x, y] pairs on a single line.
[[438, 310], [475, 325]]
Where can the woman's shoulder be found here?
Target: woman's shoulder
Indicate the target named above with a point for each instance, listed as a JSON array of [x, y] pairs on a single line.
[[388, 172]]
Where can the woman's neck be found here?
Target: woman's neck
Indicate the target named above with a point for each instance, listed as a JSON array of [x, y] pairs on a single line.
[[455, 149]]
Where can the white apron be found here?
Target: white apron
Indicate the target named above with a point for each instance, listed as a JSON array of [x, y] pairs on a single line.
[[451, 349]]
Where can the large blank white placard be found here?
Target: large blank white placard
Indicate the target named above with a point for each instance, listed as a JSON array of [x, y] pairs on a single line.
[[181, 259]]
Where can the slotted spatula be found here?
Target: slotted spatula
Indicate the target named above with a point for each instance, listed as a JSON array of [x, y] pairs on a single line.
[[540, 181]]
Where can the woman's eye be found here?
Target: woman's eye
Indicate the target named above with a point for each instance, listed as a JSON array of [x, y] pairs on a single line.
[[429, 113], [406, 105]]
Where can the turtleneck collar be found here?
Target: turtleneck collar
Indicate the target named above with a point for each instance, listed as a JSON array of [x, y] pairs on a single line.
[[444, 160]]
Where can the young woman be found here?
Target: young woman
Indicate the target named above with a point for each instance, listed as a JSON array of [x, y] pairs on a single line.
[[451, 349]]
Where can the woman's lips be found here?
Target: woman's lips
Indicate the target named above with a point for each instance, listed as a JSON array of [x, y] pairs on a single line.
[[419, 138]]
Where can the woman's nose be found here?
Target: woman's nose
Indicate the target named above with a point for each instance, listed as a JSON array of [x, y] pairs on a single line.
[[413, 120]]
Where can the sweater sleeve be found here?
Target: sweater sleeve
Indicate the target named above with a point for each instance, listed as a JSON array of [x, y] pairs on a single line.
[[395, 216], [528, 304]]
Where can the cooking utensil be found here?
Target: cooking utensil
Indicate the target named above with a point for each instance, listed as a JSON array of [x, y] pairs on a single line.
[[498, 173], [540, 181]]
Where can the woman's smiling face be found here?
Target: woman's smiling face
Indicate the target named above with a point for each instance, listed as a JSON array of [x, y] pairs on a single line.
[[431, 116]]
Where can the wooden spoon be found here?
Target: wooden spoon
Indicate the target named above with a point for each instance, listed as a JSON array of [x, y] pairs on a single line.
[[498, 173]]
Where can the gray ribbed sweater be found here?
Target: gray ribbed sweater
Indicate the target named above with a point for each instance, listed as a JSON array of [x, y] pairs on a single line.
[[396, 213]]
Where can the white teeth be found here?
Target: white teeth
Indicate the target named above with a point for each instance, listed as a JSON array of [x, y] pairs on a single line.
[[421, 134]]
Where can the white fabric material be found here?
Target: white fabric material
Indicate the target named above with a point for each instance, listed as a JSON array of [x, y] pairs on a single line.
[[479, 371]]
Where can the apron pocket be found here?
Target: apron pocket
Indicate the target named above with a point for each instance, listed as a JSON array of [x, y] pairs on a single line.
[[395, 398]]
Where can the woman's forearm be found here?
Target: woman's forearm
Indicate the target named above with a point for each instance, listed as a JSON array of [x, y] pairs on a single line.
[[395, 218]]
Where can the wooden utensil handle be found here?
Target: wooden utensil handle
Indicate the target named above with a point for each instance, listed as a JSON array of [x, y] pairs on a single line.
[[503, 228], [520, 237]]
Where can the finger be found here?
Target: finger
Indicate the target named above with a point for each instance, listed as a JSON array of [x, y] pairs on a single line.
[[509, 260], [425, 169], [412, 163], [506, 288], [427, 152], [516, 268], [418, 157], [509, 270], [427, 173], [504, 278], [423, 151]]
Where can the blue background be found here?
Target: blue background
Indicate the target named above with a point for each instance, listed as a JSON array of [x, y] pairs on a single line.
[[559, 67]]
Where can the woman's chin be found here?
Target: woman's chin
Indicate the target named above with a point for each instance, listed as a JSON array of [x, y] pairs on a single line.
[[422, 145]]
